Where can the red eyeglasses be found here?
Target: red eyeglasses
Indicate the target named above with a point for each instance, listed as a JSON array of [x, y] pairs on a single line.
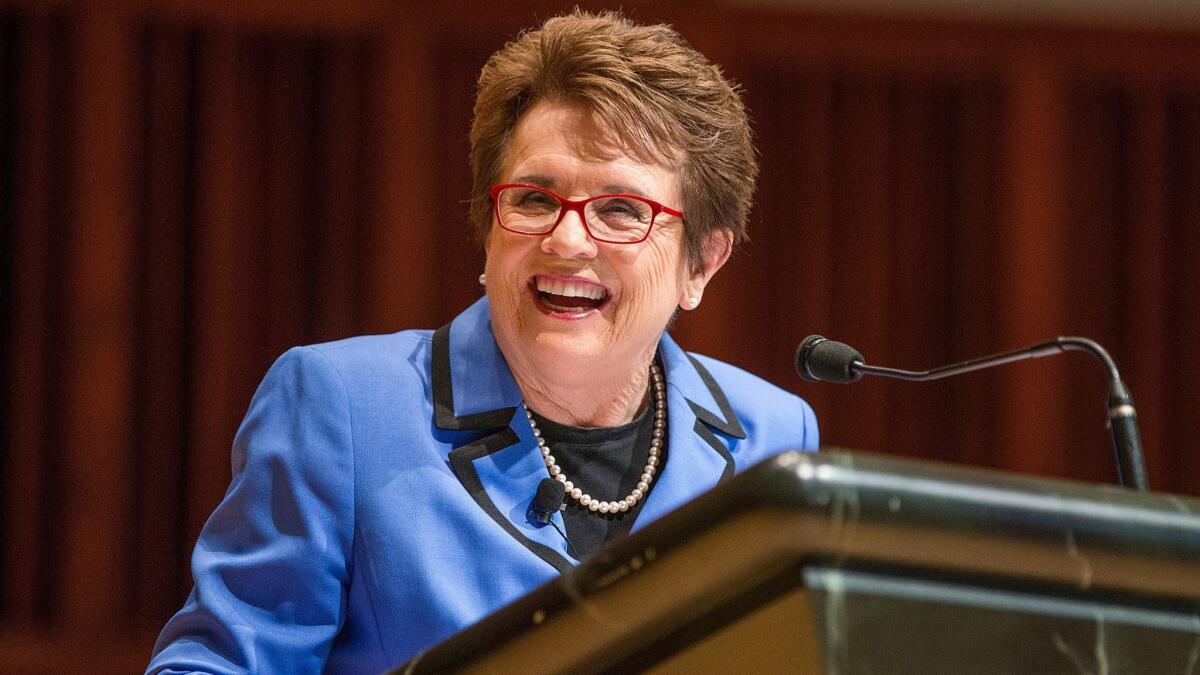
[[614, 219]]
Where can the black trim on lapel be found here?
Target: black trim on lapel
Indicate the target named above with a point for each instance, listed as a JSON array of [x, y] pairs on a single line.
[[463, 457], [729, 425], [709, 437], [443, 393]]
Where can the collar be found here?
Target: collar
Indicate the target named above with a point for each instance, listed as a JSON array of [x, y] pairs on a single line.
[[473, 390]]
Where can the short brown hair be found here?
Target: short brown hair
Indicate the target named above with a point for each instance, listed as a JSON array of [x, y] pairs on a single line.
[[644, 82]]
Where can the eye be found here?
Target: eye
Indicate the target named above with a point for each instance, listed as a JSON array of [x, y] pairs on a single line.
[[618, 209], [529, 199]]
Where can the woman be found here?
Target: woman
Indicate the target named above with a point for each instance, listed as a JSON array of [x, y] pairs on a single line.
[[381, 487]]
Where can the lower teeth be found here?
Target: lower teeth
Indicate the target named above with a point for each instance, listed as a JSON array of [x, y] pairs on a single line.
[[585, 304]]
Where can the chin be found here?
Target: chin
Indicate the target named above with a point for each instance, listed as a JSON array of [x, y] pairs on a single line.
[[569, 347]]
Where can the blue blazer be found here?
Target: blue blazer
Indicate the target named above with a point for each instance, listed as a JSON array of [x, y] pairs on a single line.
[[379, 496]]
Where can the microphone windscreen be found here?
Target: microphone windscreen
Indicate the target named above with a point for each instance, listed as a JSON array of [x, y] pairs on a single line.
[[549, 498], [821, 360]]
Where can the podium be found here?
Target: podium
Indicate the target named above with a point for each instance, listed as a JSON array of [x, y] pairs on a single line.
[[841, 562]]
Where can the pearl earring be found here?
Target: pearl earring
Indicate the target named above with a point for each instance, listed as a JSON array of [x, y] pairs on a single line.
[[483, 279], [691, 303]]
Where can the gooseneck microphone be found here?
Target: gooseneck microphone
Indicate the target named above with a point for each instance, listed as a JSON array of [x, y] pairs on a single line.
[[821, 360]]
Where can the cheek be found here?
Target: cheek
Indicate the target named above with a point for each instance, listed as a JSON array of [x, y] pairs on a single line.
[[505, 257], [651, 286], [505, 284]]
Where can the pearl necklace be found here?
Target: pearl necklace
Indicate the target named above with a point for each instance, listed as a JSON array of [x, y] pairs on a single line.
[[648, 472]]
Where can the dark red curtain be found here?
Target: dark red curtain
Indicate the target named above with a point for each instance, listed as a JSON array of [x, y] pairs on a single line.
[[186, 193]]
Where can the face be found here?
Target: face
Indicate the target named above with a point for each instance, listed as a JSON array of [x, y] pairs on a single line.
[[564, 306]]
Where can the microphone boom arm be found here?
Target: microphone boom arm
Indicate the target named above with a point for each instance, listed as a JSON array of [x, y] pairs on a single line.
[[1043, 349]]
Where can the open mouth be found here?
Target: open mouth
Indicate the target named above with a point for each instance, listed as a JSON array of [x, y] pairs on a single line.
[[568, 295]]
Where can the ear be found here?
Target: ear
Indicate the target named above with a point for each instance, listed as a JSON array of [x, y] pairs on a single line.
[[713, 254]]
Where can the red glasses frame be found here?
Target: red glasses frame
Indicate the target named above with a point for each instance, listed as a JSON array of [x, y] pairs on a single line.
[[577, 205]]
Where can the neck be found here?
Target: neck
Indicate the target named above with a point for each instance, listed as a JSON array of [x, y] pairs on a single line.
[[608, 403]]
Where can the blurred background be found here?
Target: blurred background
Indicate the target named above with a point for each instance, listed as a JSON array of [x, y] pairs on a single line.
[[189, 188]]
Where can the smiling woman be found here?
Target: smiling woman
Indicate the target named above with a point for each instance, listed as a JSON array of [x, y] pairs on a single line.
[[382, 485]]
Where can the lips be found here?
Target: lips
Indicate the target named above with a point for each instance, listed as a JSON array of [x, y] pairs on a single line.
[[568, 295]]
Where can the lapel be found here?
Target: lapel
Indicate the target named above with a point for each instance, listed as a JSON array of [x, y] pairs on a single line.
[[697, 457], [498, 462]]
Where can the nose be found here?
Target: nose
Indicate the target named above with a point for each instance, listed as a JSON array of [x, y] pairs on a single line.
[[570, 238]]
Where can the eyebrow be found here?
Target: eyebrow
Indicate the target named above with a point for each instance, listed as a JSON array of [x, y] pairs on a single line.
[[539, 179], [542, 180], [625, 190]]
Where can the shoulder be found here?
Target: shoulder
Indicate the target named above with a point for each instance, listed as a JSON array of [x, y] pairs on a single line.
[[343, 384], [763, 409], [743, 387], [372, 351], [359, 364]]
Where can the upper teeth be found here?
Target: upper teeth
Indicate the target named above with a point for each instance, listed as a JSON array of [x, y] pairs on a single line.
[[570, 288]]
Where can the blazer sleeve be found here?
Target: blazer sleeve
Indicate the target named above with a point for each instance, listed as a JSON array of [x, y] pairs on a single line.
[[812, 434], [271, 567]]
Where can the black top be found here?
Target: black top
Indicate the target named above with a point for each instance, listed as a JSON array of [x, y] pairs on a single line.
[[607, 464]]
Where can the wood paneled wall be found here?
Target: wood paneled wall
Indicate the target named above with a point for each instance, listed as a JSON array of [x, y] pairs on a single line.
[[187, 189]]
